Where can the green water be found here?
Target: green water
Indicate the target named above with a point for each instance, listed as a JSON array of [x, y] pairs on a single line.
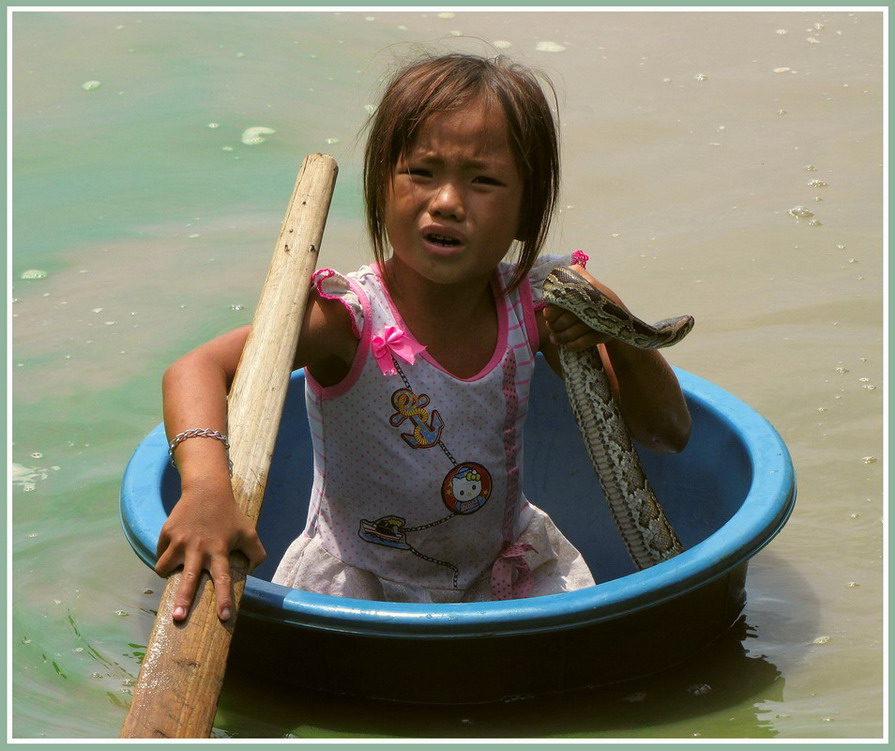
[[687, 138]]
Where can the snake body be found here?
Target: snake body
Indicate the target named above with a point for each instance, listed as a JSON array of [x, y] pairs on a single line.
[[645, 530]]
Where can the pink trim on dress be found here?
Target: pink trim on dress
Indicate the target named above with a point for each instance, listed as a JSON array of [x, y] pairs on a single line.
[[363, 336], [529, 317], [501, 302], [510, 447], [511, 577]]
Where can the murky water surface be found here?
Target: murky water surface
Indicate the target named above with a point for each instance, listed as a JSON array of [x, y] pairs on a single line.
[[725, 164]]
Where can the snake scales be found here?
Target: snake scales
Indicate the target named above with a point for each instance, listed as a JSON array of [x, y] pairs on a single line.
[[645, 530]]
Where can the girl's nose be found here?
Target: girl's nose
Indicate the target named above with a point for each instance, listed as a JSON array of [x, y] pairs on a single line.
[[447, 202]]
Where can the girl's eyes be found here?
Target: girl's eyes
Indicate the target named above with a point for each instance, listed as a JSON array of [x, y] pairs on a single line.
[[486, 180], [426, 174]]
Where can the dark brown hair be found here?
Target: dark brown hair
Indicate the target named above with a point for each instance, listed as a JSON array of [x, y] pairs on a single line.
[[449, 82]]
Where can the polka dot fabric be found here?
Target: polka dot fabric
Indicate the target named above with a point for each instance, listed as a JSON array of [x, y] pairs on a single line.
[[417, 477]]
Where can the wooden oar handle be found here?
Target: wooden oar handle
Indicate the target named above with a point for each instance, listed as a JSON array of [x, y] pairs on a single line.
[[259, 386], [180, 679]]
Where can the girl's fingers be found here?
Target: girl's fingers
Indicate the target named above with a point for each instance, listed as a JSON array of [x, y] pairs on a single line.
[[223, 585], [198, 551], [166, 560], [189, 581], [218, 568], [564, 323], [585, 340], [557, 318], [569, 331], [255, 552], [578, 336]]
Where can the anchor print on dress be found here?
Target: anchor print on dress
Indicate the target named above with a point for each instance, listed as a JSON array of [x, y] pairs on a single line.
[[426, 429]]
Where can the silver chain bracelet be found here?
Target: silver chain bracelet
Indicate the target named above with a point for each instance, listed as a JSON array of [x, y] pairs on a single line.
[[199, 433]]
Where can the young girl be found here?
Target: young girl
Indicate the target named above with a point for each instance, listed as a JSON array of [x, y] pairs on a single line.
[[418, 366]]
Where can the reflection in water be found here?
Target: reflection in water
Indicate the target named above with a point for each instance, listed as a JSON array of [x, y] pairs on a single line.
[[725, 680]]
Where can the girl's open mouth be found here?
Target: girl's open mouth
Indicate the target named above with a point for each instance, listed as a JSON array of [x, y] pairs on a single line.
[[443, 240]]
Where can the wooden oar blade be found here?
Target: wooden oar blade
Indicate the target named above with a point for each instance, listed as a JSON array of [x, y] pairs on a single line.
[[182, 673]]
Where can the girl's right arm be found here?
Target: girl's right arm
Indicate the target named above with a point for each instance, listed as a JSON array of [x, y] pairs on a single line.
[[206, 524]]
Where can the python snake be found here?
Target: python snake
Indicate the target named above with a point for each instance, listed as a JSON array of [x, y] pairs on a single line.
[[645, 530]]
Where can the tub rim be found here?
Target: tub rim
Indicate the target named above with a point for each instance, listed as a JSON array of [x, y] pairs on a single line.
[[765, 509]]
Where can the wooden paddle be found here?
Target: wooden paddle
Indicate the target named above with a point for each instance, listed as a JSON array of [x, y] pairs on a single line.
[[180, 679]]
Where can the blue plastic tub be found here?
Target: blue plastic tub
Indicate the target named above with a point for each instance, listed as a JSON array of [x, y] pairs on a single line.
[[727, 495]]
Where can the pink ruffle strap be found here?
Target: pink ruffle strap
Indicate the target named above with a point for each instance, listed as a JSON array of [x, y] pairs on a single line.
[[318, 279]]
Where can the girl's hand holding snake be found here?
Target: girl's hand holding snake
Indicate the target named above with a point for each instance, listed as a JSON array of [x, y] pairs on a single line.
[[567, 330]]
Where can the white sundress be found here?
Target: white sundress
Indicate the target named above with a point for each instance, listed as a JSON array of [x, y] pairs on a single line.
[[417, 493]]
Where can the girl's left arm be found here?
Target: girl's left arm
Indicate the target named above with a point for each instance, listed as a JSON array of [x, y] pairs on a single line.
[[648, 394]]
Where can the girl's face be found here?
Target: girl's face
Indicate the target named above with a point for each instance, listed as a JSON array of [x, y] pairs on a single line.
[[454, 203]]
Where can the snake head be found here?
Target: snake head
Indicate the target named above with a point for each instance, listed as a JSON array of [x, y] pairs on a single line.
[[571, 291]]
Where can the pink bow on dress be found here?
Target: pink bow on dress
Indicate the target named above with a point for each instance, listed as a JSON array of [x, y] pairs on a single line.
[[394, 342], [512, 561]]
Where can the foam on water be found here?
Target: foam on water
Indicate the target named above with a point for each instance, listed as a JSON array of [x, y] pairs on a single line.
[[255, 135]]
